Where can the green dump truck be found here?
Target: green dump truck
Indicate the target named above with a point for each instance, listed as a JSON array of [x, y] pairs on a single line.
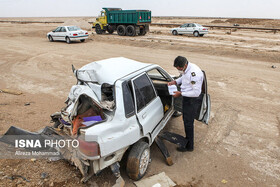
[[125, 22]]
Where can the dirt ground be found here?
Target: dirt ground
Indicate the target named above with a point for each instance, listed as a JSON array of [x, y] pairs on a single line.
[[239, 147]]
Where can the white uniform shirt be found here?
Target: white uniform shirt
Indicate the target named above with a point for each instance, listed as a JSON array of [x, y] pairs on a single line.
[[191, 81]]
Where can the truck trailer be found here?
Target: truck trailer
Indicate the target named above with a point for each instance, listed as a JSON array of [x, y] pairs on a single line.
[[125, 22]]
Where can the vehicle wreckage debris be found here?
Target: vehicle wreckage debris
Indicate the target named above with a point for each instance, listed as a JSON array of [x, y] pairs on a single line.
[[164, 150], [44, 175], [28, 103], [13, 177], [8, 91], [159, 180]]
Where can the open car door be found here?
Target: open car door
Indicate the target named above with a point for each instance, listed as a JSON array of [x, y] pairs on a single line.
[[149, 108], [203, 113]]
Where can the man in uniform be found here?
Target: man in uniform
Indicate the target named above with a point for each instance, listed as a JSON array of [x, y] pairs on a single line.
[[191, 82]]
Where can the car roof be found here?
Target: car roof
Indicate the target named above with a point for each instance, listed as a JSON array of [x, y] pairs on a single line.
[[112, 69], [68, 26]]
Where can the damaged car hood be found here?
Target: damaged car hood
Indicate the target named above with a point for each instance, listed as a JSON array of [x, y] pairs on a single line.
[[101, 71]]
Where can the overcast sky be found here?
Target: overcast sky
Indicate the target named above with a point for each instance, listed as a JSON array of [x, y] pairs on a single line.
[[201, 8]]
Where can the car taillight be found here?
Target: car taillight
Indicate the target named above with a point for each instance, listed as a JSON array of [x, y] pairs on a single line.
[[75, 34], [90, 149], [86, 33], [205, 29]]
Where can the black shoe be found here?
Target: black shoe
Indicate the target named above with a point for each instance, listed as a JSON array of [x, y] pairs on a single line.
[[183, 149]]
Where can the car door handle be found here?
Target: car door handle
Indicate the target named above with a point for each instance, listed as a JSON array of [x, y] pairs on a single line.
[[144, 115]]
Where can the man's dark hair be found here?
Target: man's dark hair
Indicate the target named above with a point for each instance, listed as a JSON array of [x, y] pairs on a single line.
[[180, 61]]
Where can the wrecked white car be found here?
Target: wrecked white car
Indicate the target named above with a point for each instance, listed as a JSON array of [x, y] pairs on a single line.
[[119, 106]]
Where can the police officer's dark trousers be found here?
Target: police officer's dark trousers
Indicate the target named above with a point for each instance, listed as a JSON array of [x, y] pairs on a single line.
[[190, 108]]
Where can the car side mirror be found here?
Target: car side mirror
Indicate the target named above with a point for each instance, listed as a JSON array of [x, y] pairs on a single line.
[[53, 31]]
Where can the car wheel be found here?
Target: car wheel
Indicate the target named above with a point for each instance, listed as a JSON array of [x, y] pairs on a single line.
[[174, 32], [196, 34], [82, 40], [138, 160], [121, 30], [130, 30], [68, 40], [50, 38], [201, 35]]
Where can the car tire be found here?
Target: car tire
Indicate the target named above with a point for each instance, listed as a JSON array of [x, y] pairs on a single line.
[[138, 160], [130, 30], [201, 35], [174, 32], [50, 38], [68, 40], [121, 30], [82, 40], [196, 34]]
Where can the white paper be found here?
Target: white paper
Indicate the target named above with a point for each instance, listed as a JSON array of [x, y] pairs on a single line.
[[172, 89]]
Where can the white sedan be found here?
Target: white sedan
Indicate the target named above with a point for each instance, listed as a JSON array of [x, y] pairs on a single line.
[[190, 28], [68, 34]]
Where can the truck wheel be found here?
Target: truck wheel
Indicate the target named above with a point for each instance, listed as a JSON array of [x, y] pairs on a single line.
[[98, 29], [196, 34], [121, 30], [110, 29], [138, 160], [130, 30], [142, 32]]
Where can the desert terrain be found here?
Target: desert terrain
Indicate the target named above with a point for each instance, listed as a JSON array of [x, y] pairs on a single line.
[[239, 147]]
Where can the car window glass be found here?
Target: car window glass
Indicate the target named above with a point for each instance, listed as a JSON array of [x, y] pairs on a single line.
[[73, 28], [193, 25], [57, 29], [128, 100], [188, 25], [63, 29], [155, 74], [144, 91]]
